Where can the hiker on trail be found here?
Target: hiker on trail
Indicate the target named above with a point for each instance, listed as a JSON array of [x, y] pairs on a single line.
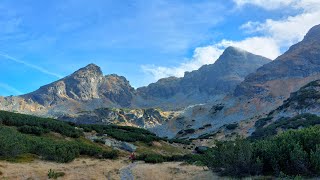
[[132, 157]]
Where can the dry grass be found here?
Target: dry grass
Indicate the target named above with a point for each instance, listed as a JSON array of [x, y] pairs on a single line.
[[89, 169], [82, 168], [160, 147], [171, 171]]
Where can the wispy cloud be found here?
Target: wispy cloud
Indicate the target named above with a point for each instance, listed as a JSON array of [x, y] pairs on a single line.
[[38, 68], [266, 4], [274, 35], [201, 56], [10, 88], [278, 34]]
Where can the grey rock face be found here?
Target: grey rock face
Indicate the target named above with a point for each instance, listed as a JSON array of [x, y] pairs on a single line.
[[86, 84], [265, 89], [145, 118], [305, 100], [297, 64], [211, 80]]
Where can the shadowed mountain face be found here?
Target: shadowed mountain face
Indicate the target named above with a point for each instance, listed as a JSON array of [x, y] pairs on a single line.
[[86, 84], [305, 100], [290, 71], [78, 96], [232, 89], [261, 91], [89, 86], [199, 86]]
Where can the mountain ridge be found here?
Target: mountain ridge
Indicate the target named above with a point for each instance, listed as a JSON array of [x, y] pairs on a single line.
[[238, 86]]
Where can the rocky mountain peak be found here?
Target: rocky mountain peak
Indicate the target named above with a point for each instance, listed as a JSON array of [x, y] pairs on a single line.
[[287, 73], [234, 51], [235, 55], [314, 33], [89, 70]]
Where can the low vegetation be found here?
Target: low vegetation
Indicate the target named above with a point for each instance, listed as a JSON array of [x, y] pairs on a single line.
[[283, 124], [55, 175], [262, 122], [292, 153], [231, 126], [36, 124], [15, 144], [305, 97], [23, 136], [158, 158], [180, 141], [123, 133]]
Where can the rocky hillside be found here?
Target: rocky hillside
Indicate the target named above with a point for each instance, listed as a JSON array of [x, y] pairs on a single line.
[[260, 92], [88, 96], [204, 100], [144, 118], [210, 82], [86, 84], [290, 71], [305, 100]]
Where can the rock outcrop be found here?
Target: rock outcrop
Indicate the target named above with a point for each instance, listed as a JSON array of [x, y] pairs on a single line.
[[290, 71], [86, 84], [207, 83]]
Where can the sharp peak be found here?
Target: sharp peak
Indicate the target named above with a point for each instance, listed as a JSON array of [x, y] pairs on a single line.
[[235, 50], [91, 68], [91, 65], [313, 33]]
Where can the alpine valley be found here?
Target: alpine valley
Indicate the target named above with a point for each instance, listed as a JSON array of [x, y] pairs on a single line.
[[238, 90]]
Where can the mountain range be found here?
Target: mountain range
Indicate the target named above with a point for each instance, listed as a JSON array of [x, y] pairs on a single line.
[[238, 86]]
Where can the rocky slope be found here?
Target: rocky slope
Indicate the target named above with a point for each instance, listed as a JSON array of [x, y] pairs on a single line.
[[200, 96], [210, 82], [290, 71], [144, 118], [305, 100], [86, 84], [260, 92], [88, 96], [84, 90]]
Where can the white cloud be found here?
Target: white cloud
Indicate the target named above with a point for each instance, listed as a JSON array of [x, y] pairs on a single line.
[[38, 68], [201, 56], [263, 46], [286, 31], [10, 89], [266, 4], [274, 35]]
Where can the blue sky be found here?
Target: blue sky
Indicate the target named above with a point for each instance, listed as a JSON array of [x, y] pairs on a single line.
[[42, 41]]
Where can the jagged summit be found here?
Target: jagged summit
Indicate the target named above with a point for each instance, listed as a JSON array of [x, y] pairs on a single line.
[[313, 33], [90, 69], [86, 84], [296, 67], [237, 55], [216, 79], [234, 50]]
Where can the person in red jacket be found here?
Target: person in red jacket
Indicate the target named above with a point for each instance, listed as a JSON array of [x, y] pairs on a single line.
[[132, 157]]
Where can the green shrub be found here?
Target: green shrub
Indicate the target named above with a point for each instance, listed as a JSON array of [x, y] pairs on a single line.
[[55, 175], [295, 152], [189, 131], [14, 144], [304, 120], [19, 120], [123, 133], [180, 141], [32, 130], [232, 126], [100, 141], [315, 158], [262, 122]]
